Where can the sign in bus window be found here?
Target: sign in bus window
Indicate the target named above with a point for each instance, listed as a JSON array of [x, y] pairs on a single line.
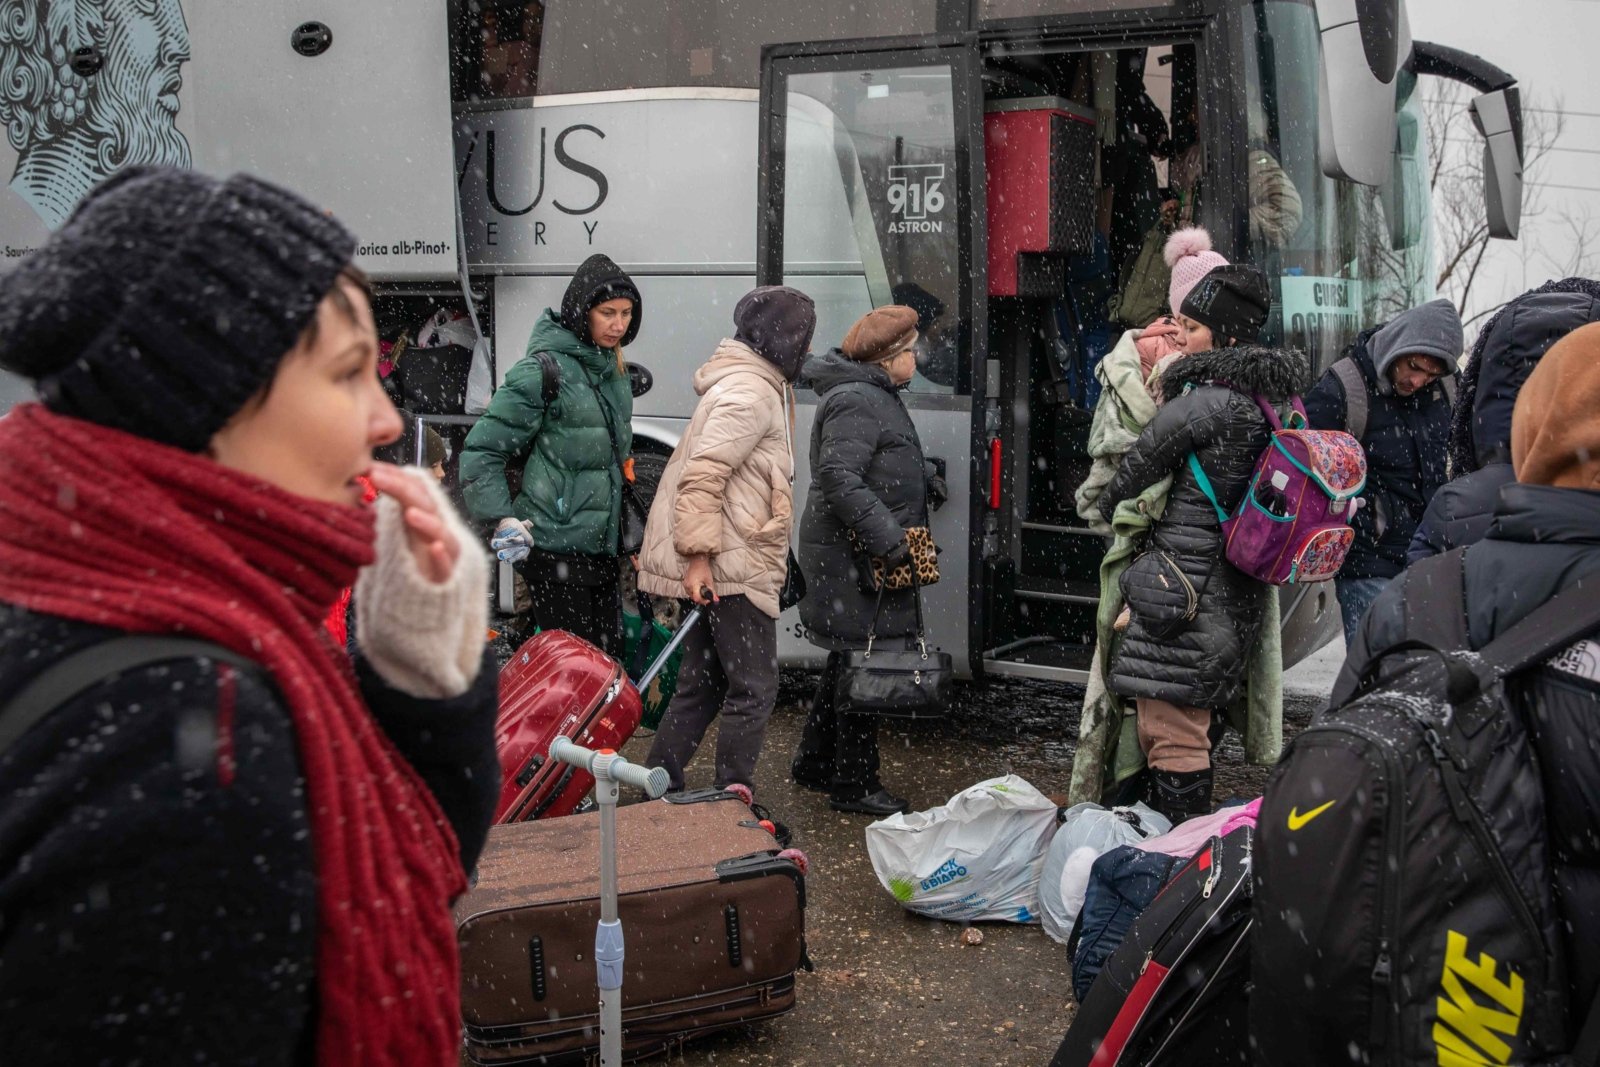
[[870, 204]]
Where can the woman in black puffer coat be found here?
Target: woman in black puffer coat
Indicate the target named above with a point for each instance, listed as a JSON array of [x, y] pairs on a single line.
[[869, 480], [1179, 673]]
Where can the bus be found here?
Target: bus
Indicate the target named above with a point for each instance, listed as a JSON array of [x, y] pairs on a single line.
[[482, 149]]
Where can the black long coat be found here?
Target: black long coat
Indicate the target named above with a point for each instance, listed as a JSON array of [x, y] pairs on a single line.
[[1203, 663], [868, 475]]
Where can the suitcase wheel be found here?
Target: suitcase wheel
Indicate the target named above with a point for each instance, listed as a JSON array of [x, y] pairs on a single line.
[[798, 858], [742, 791]]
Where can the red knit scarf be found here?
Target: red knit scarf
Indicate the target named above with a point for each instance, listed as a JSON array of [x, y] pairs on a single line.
[[114, 530]]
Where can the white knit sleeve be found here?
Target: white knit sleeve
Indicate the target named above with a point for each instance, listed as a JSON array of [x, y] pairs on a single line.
[[424, 638]]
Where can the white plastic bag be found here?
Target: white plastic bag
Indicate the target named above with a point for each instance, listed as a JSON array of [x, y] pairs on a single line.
[[976, 857], [1087, 832]]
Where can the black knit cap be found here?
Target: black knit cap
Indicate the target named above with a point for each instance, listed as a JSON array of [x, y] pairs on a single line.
[[1232, 300], [168, 300]]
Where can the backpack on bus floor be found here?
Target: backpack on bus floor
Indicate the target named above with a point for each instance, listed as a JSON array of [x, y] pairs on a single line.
[[1403, 905], [1293, 524]]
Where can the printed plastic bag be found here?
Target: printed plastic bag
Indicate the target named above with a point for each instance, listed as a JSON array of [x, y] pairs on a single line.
[[976, 857], [1087, 832]]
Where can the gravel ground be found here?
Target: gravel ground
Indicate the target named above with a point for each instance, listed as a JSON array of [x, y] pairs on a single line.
[[891, 987]]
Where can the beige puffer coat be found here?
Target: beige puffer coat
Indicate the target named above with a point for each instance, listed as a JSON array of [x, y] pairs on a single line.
[[727, 491]]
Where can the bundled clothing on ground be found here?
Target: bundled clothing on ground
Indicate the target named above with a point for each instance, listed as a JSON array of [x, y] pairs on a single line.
[[727, 493], [1508, 348], [1203, 663], [1405, 436]]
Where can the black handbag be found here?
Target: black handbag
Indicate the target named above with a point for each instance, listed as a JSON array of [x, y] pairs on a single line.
[[631, 514], [912, 683], [794, 584]]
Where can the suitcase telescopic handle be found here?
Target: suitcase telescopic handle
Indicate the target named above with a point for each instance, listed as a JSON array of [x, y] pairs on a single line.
[[678, 635], [652, 780]]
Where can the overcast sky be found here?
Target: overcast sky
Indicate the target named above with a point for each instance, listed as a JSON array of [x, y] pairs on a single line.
[[1550, 46]]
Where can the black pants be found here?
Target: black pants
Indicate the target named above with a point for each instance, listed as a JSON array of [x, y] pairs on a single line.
[[730, 667], [578, 594], [841, 750]]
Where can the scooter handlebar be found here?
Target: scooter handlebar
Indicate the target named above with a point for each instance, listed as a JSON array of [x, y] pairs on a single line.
[[652, 781]]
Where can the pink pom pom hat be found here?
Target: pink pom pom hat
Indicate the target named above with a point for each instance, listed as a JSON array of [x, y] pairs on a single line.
[[1189, 254]]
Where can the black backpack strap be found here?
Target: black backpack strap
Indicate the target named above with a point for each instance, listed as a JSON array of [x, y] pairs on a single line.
[[1586, 1053], [1435, 601], [549, 377], [1570, 614], [82, 670], [1356, 400]]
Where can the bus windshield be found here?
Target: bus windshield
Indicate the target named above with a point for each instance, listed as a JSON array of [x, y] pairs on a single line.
[[1342, 256]]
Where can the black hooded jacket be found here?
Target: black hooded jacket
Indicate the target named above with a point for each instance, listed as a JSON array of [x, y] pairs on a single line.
[[1543, 540], [1203, 663], [1506, 352], [868, 475], [597, 280]]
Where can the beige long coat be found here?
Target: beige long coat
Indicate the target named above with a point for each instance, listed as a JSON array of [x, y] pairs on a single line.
[[727, 491]]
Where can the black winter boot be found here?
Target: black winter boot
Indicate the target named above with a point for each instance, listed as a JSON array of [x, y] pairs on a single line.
[[1181, 795]]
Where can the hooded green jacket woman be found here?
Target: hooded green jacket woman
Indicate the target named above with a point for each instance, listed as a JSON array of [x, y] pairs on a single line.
[[571, 493]]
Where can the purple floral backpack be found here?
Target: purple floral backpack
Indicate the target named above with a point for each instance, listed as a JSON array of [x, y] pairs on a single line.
[[1293, 524]]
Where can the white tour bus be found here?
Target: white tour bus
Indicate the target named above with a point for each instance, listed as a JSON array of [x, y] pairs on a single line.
[[990, 162]]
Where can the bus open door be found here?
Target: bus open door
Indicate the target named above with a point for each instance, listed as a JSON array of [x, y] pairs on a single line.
[[872, 193]]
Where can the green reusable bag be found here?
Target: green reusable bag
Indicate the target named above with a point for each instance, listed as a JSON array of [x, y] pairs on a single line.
[[643, 640]]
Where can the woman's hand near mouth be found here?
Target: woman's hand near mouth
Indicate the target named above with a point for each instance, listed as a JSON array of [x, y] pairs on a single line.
[[435, 548]]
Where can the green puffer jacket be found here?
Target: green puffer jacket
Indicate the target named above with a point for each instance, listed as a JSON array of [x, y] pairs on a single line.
[[571, 485]]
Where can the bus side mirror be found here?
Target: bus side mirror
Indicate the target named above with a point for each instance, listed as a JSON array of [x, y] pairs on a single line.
[[1498, 116], [1364, 42], [640, 380]]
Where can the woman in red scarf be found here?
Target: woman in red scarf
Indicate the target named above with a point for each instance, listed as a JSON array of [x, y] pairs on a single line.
[[246, 854]]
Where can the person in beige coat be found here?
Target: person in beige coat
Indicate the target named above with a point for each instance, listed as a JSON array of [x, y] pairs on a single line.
[[718, 534]]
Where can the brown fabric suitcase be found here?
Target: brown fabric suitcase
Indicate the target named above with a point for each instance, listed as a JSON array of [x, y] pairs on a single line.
[[712, 918]]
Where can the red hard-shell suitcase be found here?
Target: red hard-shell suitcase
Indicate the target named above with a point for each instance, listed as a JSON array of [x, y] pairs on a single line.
[[557, 685]]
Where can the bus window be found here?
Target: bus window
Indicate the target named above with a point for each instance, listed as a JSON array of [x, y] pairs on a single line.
[[1339, 263], [870, 204], [993, 10], [517, 48], [494, 52]]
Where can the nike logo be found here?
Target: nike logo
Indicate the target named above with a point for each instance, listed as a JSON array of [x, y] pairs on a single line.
[[1298, 821]]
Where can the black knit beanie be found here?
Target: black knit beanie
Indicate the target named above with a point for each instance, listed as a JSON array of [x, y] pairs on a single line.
[[1232, 301], [168, 300]]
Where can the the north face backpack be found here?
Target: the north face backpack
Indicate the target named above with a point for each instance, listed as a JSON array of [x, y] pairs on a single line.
[[1293, 524], [1403, 905]]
